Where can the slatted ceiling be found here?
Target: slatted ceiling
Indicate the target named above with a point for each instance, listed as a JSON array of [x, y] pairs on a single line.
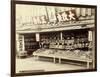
[[83, 11], [89, 11], [93, 11], [78, 13], [72, 8], [65, 8]]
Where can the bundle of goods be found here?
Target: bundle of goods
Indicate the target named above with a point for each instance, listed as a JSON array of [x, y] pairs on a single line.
[[48, 51], [75, 53], [39, 50]]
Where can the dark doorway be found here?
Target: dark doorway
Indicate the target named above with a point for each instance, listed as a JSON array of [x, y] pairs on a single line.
[[31, 44]]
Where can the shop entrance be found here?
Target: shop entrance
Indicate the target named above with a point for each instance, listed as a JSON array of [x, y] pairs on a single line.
[[31, 44]]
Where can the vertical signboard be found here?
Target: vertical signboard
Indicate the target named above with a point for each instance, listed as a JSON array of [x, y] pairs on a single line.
[[37, 37]]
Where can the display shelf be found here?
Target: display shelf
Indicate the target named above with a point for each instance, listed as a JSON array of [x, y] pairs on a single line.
[[75, 55]]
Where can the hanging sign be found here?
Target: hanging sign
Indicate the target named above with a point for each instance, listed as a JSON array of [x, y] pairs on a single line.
[[40, 20], [61, 16], [66, 16], [37, 37], [90, 35]]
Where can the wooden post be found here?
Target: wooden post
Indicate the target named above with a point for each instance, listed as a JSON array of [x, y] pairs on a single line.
[[59, 60], [88, 65], [37, 37], [23, 43], [91, 38], [17, 42], [93, 49], [61, 37]]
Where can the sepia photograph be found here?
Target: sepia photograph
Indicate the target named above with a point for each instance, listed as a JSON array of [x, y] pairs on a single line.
[[53, 38]]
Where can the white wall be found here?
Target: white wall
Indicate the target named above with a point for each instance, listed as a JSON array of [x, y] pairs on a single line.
[[5, 38]]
